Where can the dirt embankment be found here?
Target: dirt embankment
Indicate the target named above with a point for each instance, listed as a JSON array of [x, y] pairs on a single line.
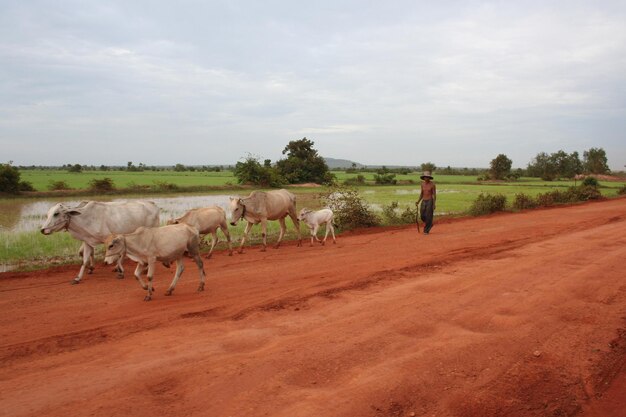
[[515, 314]]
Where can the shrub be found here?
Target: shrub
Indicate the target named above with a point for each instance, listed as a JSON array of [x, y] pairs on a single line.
[[165, 186], [358, 180], [385, 179], [351, 211], [487, 203], [622, 190], [391, 216], [590, 182], [571, 195], [523, 201], [58, 185], [545, 200], [103, 185], [583, 193], [26, 186]]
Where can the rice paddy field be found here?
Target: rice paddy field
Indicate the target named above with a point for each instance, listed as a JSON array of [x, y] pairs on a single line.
[[23, 247]]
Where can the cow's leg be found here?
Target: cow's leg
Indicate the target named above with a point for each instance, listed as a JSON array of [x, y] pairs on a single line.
[[315, 230], [224, 228], [245, 236], [87, 254], [332, 230], [179, 271], [151, 264], [214, 240], [326, 233], [138, 272], [296, 223], [92, 261], [120, 268], [202, 274], [283, 228], [264, 234]]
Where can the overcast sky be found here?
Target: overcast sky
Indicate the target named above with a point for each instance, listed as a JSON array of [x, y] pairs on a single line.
[[394, 82]]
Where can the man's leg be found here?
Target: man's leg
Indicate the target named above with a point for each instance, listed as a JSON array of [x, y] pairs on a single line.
[[427, 215]]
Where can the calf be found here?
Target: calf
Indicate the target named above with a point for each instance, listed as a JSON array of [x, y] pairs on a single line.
[[314, 219], [207, 220], [147, 245]]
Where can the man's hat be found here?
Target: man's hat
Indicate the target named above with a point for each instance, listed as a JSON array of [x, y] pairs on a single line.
[[426, 174]]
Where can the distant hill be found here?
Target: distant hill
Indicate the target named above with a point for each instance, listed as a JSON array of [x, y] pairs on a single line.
[[334, 163]]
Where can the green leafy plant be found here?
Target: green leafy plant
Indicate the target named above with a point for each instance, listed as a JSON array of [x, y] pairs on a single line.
[[487, 203], [350, 210]]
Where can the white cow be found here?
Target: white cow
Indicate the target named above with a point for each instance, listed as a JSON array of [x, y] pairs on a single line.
[[261, 206], [313, 219], [207, 220], [147, 245], [92, 221]]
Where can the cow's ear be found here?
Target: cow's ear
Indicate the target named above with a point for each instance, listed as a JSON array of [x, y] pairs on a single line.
[[73, 212], [231, 198]]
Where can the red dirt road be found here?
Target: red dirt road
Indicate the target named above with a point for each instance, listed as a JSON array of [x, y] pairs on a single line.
[[509, 315]]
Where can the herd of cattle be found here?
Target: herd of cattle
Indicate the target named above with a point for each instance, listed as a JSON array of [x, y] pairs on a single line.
[[132, 229]]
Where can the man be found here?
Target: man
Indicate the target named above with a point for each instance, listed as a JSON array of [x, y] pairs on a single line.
[[428, 197]]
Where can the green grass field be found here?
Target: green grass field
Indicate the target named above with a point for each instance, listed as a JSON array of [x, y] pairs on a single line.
[[40, 179], [455, 195]]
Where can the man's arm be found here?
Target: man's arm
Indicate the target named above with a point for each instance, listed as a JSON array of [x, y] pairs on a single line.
[[434, 197]]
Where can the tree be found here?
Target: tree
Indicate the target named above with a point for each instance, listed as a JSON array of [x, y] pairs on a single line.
[[303, 164], [75, 168], [9, 179], [500, 167], [556, 165], [595, 161], [251, 171], [428, 166]]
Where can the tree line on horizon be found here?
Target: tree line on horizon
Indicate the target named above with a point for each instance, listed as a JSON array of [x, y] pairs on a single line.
[[303, 164]]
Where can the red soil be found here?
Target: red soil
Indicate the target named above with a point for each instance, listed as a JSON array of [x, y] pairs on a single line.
[[508, 315]]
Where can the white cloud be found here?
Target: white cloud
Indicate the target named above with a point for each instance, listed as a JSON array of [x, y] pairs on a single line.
[[454, 83]]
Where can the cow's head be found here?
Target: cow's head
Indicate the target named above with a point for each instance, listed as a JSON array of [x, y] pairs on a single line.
[[303, 213], [115, 248], [172, 221], [58, 218], [237, 210]]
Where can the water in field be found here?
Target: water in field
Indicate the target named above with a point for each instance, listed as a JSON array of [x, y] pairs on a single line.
[[25, 216]]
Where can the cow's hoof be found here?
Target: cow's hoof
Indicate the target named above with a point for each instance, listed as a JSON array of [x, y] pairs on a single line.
[[168, 293], [230, 254], [90, 271], [263, 250], [323, 243], [147, 298], [201, 287], [74, 281], [208, 256], [120, 276]]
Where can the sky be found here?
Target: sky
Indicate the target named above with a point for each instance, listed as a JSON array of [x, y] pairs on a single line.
[[396, 82]]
